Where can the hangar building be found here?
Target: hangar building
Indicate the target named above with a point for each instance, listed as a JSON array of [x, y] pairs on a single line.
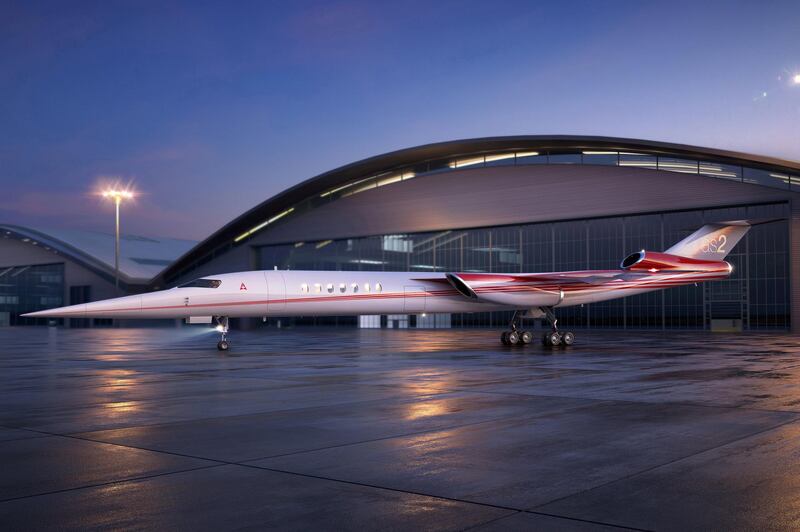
[[532, 204], [41, 269]]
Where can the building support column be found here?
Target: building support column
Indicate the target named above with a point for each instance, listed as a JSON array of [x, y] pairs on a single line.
[[794, 265]]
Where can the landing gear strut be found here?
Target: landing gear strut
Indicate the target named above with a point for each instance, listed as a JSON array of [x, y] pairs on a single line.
[[555, 337], [514, 336], [222, 327]]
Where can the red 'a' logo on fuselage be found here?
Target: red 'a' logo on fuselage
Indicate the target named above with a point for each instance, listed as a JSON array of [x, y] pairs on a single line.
[[242, 287]]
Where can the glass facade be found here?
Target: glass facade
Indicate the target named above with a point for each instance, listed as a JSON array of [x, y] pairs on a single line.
[[28, 289], [756, 296]]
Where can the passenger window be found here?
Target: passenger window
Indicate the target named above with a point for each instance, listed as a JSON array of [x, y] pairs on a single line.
[[355, 288], [330, 288], [378, 287], [317, 288], [304, 288], [342, 287]]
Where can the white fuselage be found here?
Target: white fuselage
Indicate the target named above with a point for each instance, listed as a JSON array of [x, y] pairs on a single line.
[[326, 293]]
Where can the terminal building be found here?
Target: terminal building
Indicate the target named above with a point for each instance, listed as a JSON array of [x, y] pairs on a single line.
[[41, 269], [532, 204]]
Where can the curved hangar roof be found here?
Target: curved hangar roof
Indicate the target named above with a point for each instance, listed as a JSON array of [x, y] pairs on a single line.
[[141, 258], [443, 157]]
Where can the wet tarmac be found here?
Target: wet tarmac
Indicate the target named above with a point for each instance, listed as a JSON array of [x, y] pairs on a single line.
[[402, 430]]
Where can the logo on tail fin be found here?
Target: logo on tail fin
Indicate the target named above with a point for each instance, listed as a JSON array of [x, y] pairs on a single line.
[[715, 245]]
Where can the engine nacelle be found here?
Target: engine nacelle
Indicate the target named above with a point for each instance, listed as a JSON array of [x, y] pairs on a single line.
[[653, 262]]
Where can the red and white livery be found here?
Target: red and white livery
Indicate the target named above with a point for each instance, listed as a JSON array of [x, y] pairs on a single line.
[[695, 259]]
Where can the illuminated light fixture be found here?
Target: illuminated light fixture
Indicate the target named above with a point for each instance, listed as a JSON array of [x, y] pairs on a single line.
[[359, 190], [646, 164], [499, 157], [409, 175], [263, 225], [389, 180], [460, 163], [367, 261], [298, 244], [117, 194], [599, 153], [322, 244], [796, 79], [348, 185], [527, 153]]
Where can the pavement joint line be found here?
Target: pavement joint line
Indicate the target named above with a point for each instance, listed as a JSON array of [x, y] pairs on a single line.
[[110, 482], [382, 438], [490, 521], [665, 464], [602, 399], [414, 492], [264, 412], [522, 416], [124, 446], [590, 521], [479, 526]]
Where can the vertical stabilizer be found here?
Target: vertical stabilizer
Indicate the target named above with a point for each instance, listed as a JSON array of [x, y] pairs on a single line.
[[712, 241]]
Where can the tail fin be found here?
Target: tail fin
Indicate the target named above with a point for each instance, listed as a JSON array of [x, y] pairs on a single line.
[[712, 241]]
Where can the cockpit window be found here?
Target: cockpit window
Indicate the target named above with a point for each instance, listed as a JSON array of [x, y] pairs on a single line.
[[202, 283]]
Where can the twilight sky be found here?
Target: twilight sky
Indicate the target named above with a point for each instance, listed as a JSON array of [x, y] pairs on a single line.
[[208, 108]]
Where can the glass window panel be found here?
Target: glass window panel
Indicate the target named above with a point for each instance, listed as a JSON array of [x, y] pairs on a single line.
[[601, 157], [564, 158], [439, 166], [723, 171], [637, 160], [684, 166], [766, 178], [500, 159], [468, 162], [530, 157]]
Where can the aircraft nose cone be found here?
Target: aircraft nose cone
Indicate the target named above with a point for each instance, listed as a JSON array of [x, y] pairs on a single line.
[[72, 311]]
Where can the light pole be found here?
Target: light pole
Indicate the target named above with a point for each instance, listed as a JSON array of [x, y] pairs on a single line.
[[117, 196]]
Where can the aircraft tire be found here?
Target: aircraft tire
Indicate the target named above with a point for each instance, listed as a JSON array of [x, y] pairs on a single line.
[[223, 345], [526, 337], [553, 339], [568, 338]]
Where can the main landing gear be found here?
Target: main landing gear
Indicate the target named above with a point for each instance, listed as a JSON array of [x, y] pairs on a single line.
[[515, 336], [222, 327], [555, 337]]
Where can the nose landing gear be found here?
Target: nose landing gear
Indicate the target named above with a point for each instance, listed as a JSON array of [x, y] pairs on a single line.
[[222, 327]]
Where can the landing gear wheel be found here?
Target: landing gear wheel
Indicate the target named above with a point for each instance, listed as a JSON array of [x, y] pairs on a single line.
[[526, 337], [568, 338], [504, 338], [513, 338], [223, 345], [552, 339]]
